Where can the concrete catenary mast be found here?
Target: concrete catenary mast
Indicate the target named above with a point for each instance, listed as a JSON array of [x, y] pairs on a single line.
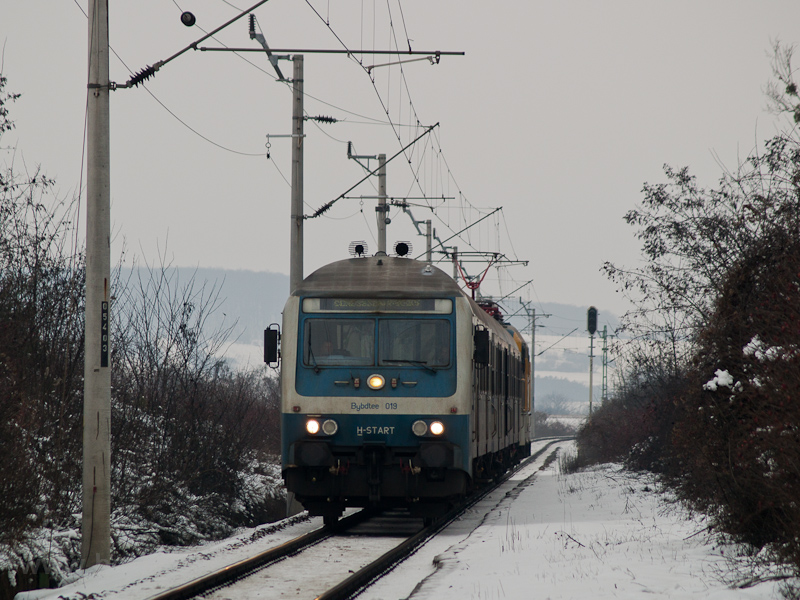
[[382, 209], [96, 533], [296, 237]]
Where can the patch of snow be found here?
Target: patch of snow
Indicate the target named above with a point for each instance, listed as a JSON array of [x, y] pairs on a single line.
[[721, 378], [573, 421], [763, 352]]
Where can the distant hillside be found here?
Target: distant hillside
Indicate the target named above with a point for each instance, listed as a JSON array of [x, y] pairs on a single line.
[[558, 396], [253, 300]]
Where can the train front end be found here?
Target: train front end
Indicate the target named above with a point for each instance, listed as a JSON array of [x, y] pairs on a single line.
[[376, 388]]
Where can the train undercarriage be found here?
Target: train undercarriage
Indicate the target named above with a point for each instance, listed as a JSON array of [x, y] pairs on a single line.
[[427, 480]]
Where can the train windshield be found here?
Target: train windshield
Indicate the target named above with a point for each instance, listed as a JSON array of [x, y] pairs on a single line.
[[339, 342], [414, 342]]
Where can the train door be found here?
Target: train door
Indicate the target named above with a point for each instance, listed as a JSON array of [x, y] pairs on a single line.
[[475, 407]]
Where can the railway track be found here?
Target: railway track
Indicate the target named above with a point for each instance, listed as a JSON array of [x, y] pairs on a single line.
[[333, 562]]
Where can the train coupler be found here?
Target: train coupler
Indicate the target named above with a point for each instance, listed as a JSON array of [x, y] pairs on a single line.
[[410, 468], [339, 469]]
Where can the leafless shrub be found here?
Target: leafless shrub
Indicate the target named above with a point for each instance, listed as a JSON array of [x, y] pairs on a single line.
[[740, 440], [708, 393], [41, 346], [185, 427], [546, 426]]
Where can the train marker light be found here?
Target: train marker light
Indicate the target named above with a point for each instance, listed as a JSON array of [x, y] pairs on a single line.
[[437, 428], [329, 427], [312, 426], [376, 382], [358, 249], [419, 428], [402, 248]]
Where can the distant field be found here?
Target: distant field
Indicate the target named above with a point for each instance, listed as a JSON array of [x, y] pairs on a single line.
[[571, 421]]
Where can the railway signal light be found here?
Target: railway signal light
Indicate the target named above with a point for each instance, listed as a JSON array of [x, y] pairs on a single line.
[[591, 320]]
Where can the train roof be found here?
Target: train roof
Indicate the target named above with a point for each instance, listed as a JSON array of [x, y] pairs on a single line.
[[390, 277], [378, 277]]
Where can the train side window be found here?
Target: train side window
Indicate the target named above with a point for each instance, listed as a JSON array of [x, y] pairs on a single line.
[[482, 347], [506, 374], [493, 382]]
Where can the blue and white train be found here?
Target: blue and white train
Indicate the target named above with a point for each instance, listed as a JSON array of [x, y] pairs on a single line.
[[398, 390]]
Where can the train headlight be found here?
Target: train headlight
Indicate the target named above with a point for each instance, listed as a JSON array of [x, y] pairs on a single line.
[[329, 427], [376, 382], [312, 426], [437, 428], [419, 428]]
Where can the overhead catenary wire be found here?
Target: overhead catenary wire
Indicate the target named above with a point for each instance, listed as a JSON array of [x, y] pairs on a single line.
[[165, 107], [351, 53], [390, 123], [431, 152], [443, 242], [325, 207], [370, 120], [560, 340]]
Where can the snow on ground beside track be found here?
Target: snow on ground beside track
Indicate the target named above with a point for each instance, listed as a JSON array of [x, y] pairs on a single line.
[[573, 421], [600, 533], [153, 574]]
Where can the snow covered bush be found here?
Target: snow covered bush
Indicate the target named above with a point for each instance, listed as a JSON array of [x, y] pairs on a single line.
[[740, 440], [710, 388], [709, 393]]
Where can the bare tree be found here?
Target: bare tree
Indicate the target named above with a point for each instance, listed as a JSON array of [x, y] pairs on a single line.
[[709, 376], [41, 345], [782, 93], [185, 426], [190, 435]]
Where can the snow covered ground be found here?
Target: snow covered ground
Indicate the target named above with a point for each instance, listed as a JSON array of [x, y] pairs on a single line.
[[601, 533]]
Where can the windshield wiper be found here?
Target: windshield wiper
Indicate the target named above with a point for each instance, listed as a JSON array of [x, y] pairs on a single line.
[[416, 363], [312, 357]]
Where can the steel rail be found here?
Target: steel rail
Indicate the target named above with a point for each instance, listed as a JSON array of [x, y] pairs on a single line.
[[361, 578], [236, 571], [364, 577]]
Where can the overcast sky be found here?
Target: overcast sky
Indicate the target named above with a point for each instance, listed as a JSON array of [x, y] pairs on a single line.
[[558, 112]]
